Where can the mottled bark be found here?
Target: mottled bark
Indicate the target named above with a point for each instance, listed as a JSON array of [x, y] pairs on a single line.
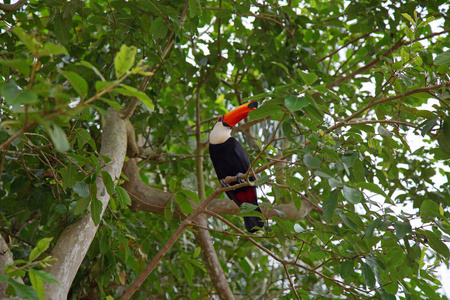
[[211, 260], [75, 240]]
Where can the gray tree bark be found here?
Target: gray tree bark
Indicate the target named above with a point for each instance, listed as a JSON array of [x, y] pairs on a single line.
[[75, 240]]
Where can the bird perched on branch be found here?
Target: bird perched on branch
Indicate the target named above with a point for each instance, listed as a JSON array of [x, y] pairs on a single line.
[[230, 159]]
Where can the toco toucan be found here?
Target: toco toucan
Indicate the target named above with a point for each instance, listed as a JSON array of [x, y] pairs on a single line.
[[230, 159]]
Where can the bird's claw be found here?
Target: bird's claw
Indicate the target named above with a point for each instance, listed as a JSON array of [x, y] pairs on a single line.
[[239, 179], [223, 183]]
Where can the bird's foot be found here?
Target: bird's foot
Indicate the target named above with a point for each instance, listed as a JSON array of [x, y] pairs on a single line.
[[223, 183], [239, 179]]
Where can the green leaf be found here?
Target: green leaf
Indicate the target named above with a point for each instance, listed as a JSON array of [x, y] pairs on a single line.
[[368, 275], [437, 245], [430, 124], [124, 60], [401, 229], [61, 209], [429, 207], [20, 65], [158, 28], [96, 210], [322, 174], [81, 205], [281, 66], [191, 195], [308, 78], [184, 204], [23, 291], [409, 18], [374, 188], [298, 228], [443, 58], [77, 82], [51, 49], [10, 91], [103, 85], [41, 246], [132, 92], [192, 8], [15, 96], [62, 28], [38, 284], [264, 111], [81, 188], [285, 226], [444, 136], [59, 139], [68, 175], [348, 222], [28, 40], [371, 227], [387, 296], [294, 103], [352, 195], [347, 268], [123, 196], [188, 272], [335, 183], [311, 162], [108, 182], [47, 277], [330, 204], [262, 179], [92, 67], [83, 137]]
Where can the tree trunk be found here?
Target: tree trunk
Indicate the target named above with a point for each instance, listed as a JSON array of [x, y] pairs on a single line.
[[75, 240], [211, 260]]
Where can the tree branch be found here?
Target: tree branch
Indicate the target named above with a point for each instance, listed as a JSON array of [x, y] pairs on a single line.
[[75, 240], [12, 7], [384, 100]]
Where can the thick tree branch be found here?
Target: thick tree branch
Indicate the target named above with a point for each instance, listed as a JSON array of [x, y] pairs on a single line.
[[190, 220], [5, 260], [75, 240], [211, 259], [147, 198], [203, 236]]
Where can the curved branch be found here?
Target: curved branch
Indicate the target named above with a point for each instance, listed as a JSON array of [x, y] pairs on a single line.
[[74, 242], [12, 7]]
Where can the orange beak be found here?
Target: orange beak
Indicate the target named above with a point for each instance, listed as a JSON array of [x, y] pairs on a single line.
[[237, 114]]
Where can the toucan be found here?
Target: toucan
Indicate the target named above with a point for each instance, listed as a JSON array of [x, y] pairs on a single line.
[[230, 159]]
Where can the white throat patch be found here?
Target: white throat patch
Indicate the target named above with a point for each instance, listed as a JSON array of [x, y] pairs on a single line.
[[219, 134]]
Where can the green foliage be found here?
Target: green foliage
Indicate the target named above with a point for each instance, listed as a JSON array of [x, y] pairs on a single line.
[[32, 267], [355, 97]]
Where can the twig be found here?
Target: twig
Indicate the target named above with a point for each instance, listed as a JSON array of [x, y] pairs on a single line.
[[290, 281], [345, 45], [383, 100]]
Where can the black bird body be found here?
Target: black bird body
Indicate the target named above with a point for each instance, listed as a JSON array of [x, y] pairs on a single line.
[[230, 159]]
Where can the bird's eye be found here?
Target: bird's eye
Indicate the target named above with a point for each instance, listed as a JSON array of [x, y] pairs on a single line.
[[220, 119]]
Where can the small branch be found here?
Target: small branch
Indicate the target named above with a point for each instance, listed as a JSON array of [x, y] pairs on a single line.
[[173, 238], [343, 285], [384, 100], [345, 45], [290, 281], [16, 135]]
